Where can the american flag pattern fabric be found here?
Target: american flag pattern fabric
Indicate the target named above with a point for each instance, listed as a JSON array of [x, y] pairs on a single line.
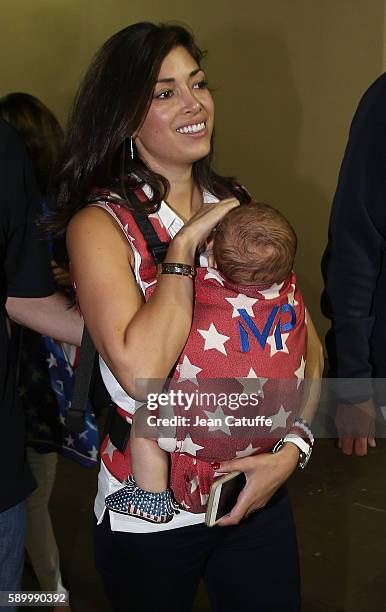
[[46, 385], [242, 339]]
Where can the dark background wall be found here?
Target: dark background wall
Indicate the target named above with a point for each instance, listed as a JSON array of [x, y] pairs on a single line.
[[288, 75]]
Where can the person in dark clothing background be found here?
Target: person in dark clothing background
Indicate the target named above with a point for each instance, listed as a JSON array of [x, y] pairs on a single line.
[[27, 295], [354, 270], [42, 136]]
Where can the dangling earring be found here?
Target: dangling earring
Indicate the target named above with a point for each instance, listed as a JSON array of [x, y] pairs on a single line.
[[131, 147]]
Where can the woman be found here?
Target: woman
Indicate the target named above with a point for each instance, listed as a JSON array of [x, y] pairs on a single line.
[[143, 119]]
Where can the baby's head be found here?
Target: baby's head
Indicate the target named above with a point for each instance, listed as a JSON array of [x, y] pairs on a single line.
[[254, 244]]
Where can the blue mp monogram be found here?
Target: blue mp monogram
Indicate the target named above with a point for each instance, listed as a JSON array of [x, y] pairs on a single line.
[[261, 336]]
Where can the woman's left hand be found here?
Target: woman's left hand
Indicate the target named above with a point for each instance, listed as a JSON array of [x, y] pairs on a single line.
[[265, 473]]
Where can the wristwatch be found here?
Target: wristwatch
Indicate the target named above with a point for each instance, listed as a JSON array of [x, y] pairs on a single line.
[[305, 449]]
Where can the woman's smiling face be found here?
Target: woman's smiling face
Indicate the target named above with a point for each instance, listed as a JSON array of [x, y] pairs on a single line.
[[178, 127]]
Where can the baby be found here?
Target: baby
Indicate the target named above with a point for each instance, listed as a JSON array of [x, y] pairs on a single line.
[[249, 290]]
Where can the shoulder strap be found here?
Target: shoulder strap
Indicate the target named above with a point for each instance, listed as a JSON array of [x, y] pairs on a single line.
[[156, 247], [76, 412], [136, 198]]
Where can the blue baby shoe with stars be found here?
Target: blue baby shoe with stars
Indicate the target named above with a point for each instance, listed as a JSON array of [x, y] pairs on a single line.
[[134, 501]]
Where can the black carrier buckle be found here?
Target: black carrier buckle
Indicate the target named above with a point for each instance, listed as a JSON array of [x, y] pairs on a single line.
[[159, 251]]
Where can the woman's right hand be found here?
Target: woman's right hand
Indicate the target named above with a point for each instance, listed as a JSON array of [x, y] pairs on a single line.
[[197, 229]]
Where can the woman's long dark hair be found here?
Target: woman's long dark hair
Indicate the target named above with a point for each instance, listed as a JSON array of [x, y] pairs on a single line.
[[40, 131], [111, 104]]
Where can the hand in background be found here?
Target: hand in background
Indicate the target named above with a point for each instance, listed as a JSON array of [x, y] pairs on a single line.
[[356, 427], [61, 276]]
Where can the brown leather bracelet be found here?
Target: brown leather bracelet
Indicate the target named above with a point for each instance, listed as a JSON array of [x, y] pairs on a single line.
[[176, 268]]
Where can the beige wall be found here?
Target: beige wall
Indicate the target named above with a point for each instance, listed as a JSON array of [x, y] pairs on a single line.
[[288, 75]]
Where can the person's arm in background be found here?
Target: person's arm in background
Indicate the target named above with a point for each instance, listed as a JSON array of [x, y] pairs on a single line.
[[51, 316], [352, 264], [25, 273]]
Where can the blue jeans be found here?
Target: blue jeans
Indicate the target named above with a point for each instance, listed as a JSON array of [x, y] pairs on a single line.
[[12, 538]]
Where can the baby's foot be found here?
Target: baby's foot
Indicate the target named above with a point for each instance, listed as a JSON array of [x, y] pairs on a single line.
[[134, 501]]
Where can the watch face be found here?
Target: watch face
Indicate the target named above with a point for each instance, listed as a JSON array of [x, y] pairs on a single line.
[[304, 458]]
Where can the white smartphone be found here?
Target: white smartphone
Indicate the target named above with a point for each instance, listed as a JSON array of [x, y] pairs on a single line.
[[223, 496]]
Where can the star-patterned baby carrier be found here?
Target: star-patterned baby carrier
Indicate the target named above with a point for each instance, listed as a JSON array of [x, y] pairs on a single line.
[[239, 379], [258, 337]]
